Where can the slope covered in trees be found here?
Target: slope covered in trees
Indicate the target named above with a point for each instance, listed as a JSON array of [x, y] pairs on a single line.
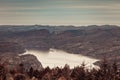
[[106, 72]]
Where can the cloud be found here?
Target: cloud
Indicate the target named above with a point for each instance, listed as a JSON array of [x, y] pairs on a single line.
[[60, 11]]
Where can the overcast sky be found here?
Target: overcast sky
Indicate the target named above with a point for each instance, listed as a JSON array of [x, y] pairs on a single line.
[[60, 12]]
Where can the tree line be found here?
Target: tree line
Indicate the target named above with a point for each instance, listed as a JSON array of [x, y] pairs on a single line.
[[105, 72]]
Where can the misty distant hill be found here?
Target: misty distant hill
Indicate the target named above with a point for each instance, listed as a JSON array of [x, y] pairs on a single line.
[[19, 28]]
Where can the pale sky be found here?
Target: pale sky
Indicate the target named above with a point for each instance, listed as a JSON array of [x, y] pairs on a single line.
[[59, 12]]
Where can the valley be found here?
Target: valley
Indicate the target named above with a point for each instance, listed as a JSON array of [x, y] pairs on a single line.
[[93, 41]]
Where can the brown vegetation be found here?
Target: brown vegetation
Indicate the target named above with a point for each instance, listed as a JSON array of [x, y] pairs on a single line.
[[106, 72]]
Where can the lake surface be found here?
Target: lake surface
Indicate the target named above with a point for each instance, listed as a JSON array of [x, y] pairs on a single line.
[[59, 58]]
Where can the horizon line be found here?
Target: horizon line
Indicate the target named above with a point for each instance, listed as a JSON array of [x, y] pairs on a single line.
[[58, 25]]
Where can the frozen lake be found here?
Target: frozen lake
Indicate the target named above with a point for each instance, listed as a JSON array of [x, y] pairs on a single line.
[[59, 58]]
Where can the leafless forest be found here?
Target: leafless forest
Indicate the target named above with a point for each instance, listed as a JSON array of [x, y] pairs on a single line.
[[106, 72]]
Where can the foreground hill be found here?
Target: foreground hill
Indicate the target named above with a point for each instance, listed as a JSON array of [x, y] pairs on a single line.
[[11, 61], [11, 56], [94, 41]]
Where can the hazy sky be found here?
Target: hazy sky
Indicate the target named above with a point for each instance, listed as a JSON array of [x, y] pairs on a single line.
[[60, 12]]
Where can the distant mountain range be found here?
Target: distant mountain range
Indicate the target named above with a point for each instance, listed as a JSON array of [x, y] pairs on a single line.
[[94, 41], [18, 28]]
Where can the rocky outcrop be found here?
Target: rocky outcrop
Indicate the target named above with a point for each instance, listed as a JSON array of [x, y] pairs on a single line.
[[28, 61], [10, 56]]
